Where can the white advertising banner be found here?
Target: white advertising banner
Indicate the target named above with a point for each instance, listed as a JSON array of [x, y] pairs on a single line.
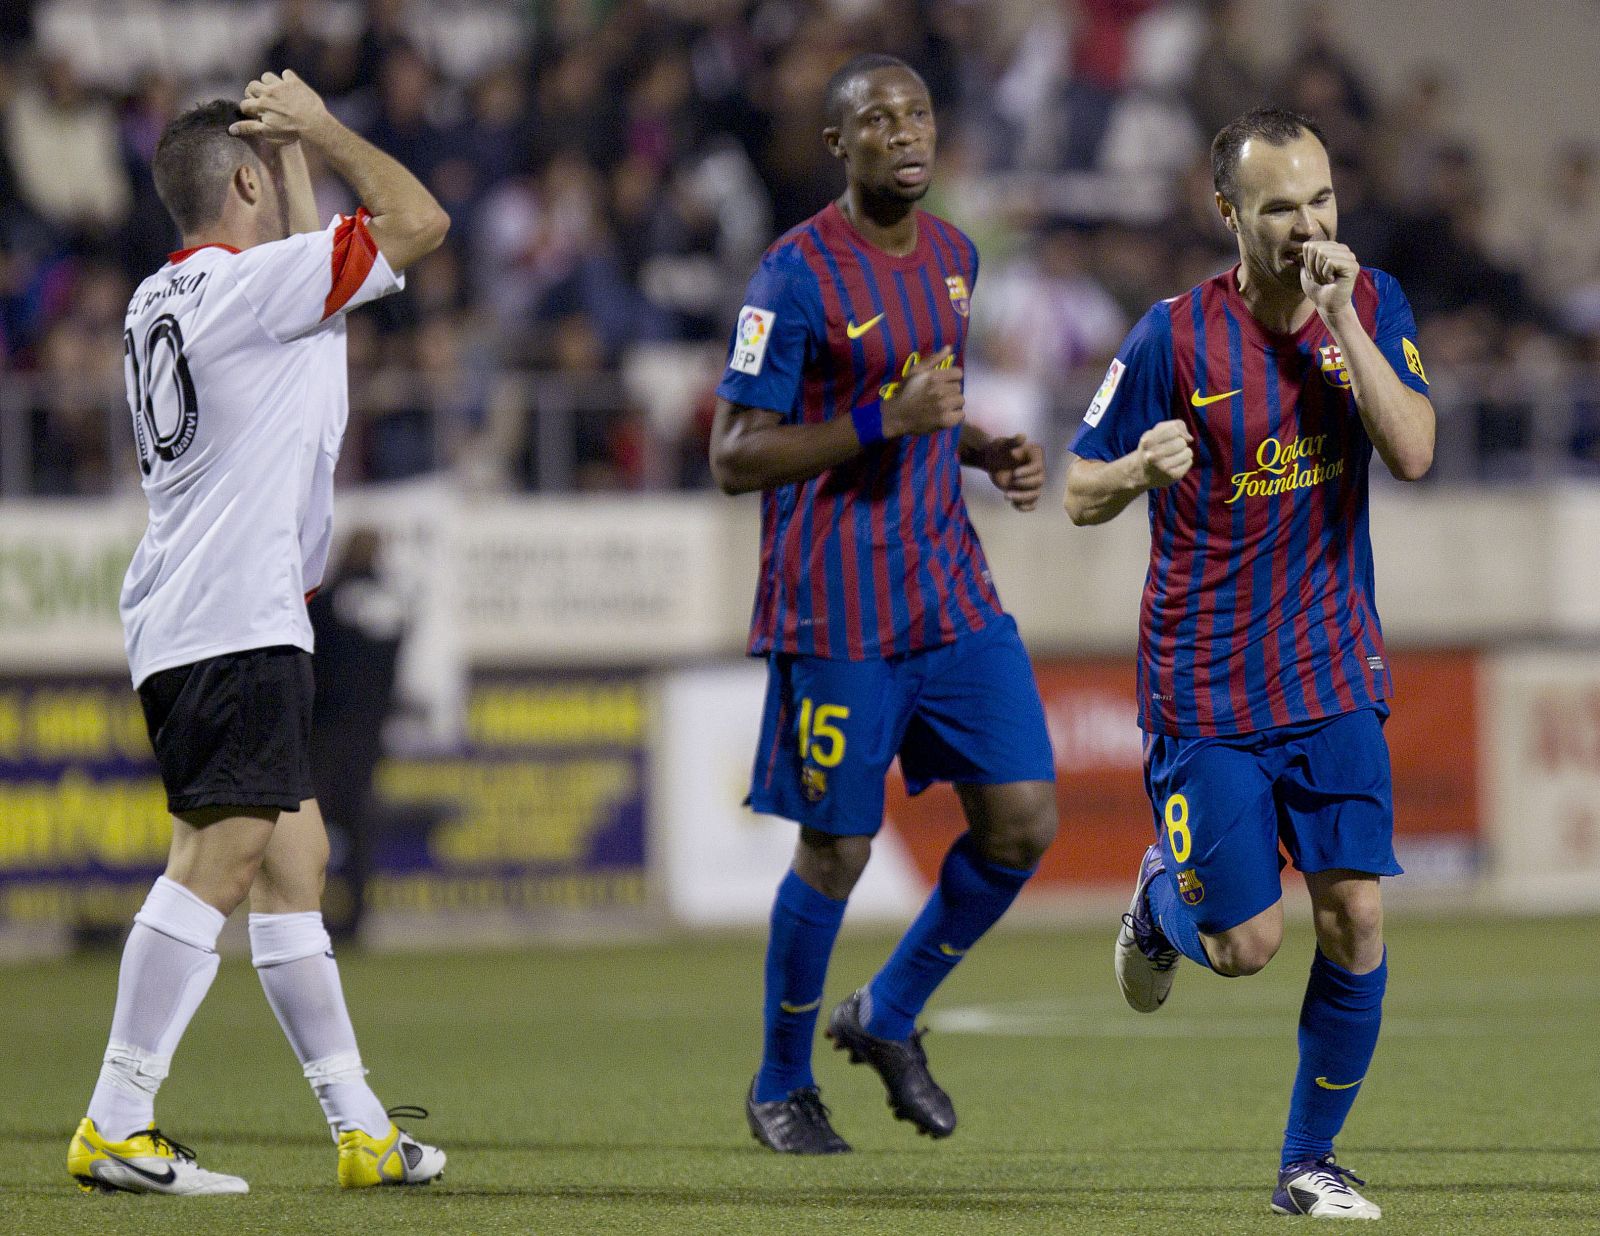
[[61, 569], [1542, 723], [602, 580], [719, 862]]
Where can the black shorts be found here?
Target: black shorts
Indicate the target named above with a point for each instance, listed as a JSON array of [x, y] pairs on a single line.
[[234, 730]]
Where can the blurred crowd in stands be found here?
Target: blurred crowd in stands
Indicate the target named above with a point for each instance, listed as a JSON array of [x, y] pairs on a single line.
[[614, 169]]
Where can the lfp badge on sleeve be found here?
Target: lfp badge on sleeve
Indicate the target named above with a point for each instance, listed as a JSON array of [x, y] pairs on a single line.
[[750, 339]]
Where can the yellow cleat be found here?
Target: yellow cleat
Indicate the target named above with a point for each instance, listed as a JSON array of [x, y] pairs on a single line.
[[147, 1162], [395, 1159]]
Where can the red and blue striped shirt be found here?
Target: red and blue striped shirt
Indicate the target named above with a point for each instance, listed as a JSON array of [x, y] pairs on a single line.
[[875, 557], [1258, 605]]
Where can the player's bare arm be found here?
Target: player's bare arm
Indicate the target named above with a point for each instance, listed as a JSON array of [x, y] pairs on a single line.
[[407, 222], [1399, 420], [1098, 491], [751, 448], [286, 161], [1015, 465]]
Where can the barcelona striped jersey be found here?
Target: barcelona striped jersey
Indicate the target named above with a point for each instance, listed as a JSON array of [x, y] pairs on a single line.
[[1258, 606], [875, 557]]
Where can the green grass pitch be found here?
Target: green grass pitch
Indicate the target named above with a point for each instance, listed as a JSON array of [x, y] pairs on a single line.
[[599, 1090]]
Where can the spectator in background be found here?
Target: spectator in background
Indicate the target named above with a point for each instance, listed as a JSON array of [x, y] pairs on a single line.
[[575, 110], [580, 430], [1414, 133], [439, 405], [1042, 319], [1367, 222], [74, 395], [301, 47], [1563, 248], [1099, 74], [1439, 253], [798, 171], [359, 622], [404, 122], [147, 235], [1046, 315], [494, 142], [708, 221], [63, 145], [1227, 79], [384, 31], [1322, 81]]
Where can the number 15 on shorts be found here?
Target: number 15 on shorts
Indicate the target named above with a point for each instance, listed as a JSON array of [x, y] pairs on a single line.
[[821, 741]]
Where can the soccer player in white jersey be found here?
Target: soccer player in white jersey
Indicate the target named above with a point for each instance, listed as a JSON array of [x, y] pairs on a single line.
[[237, 382]]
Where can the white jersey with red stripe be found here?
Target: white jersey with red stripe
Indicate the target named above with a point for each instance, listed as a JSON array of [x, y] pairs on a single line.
[[237, 380]]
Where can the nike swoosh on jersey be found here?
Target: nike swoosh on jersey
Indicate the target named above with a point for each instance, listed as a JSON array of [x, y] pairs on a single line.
[[154, 1177], [1200, 401], [800, 1008], [855, 332], [1328, 1085], [950, 951]]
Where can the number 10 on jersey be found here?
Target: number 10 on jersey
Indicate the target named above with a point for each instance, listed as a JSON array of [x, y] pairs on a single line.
[[160, 391]]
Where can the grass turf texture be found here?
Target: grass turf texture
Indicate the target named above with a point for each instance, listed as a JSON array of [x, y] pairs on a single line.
[[599, 1090]]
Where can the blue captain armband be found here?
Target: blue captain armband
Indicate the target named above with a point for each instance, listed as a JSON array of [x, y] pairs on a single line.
[[868, 420]]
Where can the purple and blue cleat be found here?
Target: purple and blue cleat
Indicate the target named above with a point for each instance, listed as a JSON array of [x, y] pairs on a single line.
[[1320, 1189], [1144, 957]]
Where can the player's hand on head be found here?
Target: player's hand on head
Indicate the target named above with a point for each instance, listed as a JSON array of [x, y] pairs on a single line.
[[1165, 453], [1328, 273], [279, 108], [929, 399], [1017, 468]]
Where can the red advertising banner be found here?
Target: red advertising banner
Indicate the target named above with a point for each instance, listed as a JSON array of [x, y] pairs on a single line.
[[1106, 821]]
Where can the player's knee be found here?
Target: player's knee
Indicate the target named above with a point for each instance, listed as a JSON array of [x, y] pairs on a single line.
[[1018, 835], [1352, 935], [216, 885], [831, 864], [1237, 956]]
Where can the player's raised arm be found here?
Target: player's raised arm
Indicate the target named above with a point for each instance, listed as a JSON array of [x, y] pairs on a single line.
[[1099, 490], [407, 223], [1399, 420], [751, 448], [286, 163]]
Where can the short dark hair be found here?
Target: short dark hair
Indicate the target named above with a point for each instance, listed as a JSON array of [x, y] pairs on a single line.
[[1277, 126], [857, 66], [195, 159]]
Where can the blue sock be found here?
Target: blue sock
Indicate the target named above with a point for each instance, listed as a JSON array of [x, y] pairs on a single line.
[[804, 926], [1174, 919], [970, 897], [1338, 1033]]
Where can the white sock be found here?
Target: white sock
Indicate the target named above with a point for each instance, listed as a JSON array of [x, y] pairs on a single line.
[[294, 957], [167, 967]]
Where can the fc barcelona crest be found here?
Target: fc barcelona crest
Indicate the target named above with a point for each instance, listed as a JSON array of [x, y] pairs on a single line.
[[1190, 888], [813, 783], [1334, 372], [959, 296]]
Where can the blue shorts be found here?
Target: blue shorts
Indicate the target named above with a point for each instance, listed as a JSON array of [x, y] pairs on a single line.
[[1222, 805], [967, 712]]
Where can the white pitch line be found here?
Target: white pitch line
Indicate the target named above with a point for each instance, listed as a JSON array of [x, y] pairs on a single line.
[[1065, 1024]]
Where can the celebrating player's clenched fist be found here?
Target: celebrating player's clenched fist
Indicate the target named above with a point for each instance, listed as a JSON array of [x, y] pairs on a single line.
[[1166, 452], [929, 401], [1328, 273]]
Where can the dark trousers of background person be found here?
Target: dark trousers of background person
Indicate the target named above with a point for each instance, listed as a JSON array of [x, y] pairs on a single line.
[[358, 627]]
